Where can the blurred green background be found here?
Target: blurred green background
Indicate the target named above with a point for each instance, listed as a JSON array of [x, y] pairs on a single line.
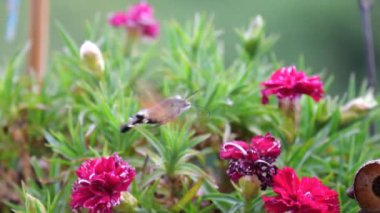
[[328, 34]]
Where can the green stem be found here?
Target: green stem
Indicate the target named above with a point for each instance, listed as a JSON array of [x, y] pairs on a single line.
[[130, 42], [292, 110], [247, 206]]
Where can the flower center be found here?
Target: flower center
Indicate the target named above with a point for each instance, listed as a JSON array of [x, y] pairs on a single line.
[[376, 186]]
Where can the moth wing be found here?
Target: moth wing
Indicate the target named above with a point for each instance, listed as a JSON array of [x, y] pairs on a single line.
[[162, 112], [147, 95]]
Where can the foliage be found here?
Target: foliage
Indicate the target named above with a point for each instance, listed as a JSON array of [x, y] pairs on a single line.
[[77, 114]]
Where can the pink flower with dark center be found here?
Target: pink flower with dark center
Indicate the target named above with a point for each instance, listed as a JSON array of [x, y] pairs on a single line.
[[256, 158], [267, 147], [100, 183], [289, 83], [138, 20], [298, 196]]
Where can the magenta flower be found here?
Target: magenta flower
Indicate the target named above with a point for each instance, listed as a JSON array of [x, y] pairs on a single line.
[[100, 183], [138, 20], [256, 158], [118, 19], [298, 196], [287, 83]]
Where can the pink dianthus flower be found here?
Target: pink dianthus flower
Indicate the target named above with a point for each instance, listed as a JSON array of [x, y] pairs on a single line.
[[100, 184]]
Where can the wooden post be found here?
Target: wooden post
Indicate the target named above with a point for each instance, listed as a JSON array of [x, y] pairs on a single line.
[[38, 38]]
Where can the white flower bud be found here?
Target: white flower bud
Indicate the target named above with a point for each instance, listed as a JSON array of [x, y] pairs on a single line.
[[255, 28], [253, 37], [361, 104], [92, 56], [358, 108]]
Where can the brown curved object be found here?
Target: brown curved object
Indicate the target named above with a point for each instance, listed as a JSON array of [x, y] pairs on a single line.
[[367, 187]]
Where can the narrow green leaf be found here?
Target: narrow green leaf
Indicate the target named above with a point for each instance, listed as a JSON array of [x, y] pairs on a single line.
[[188, 196]]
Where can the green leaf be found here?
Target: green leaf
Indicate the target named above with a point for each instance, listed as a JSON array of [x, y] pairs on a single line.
[[188, 196], [69, 41], [153, 141], [33, 205]]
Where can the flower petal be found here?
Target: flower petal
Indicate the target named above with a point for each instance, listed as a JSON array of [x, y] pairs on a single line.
[[286, 82], [234, 150]]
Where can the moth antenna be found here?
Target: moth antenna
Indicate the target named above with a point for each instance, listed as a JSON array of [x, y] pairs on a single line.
[[194, 93]]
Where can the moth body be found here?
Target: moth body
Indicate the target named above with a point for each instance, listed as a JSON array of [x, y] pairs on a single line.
[[161, 113]]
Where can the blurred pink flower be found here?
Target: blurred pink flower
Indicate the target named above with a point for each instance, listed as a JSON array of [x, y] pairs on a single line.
[[256, 158], [286, 82], [138, 20], [100, 183], [118, 19], [298, 196]]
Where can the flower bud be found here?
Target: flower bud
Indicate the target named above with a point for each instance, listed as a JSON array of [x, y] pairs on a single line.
[[128, 203], [253, 36], [255, 28], [358, 107], [249, 186], [92, 57]]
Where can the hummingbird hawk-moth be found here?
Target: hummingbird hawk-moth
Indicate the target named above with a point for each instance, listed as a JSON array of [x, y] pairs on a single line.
[[160, 113]]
